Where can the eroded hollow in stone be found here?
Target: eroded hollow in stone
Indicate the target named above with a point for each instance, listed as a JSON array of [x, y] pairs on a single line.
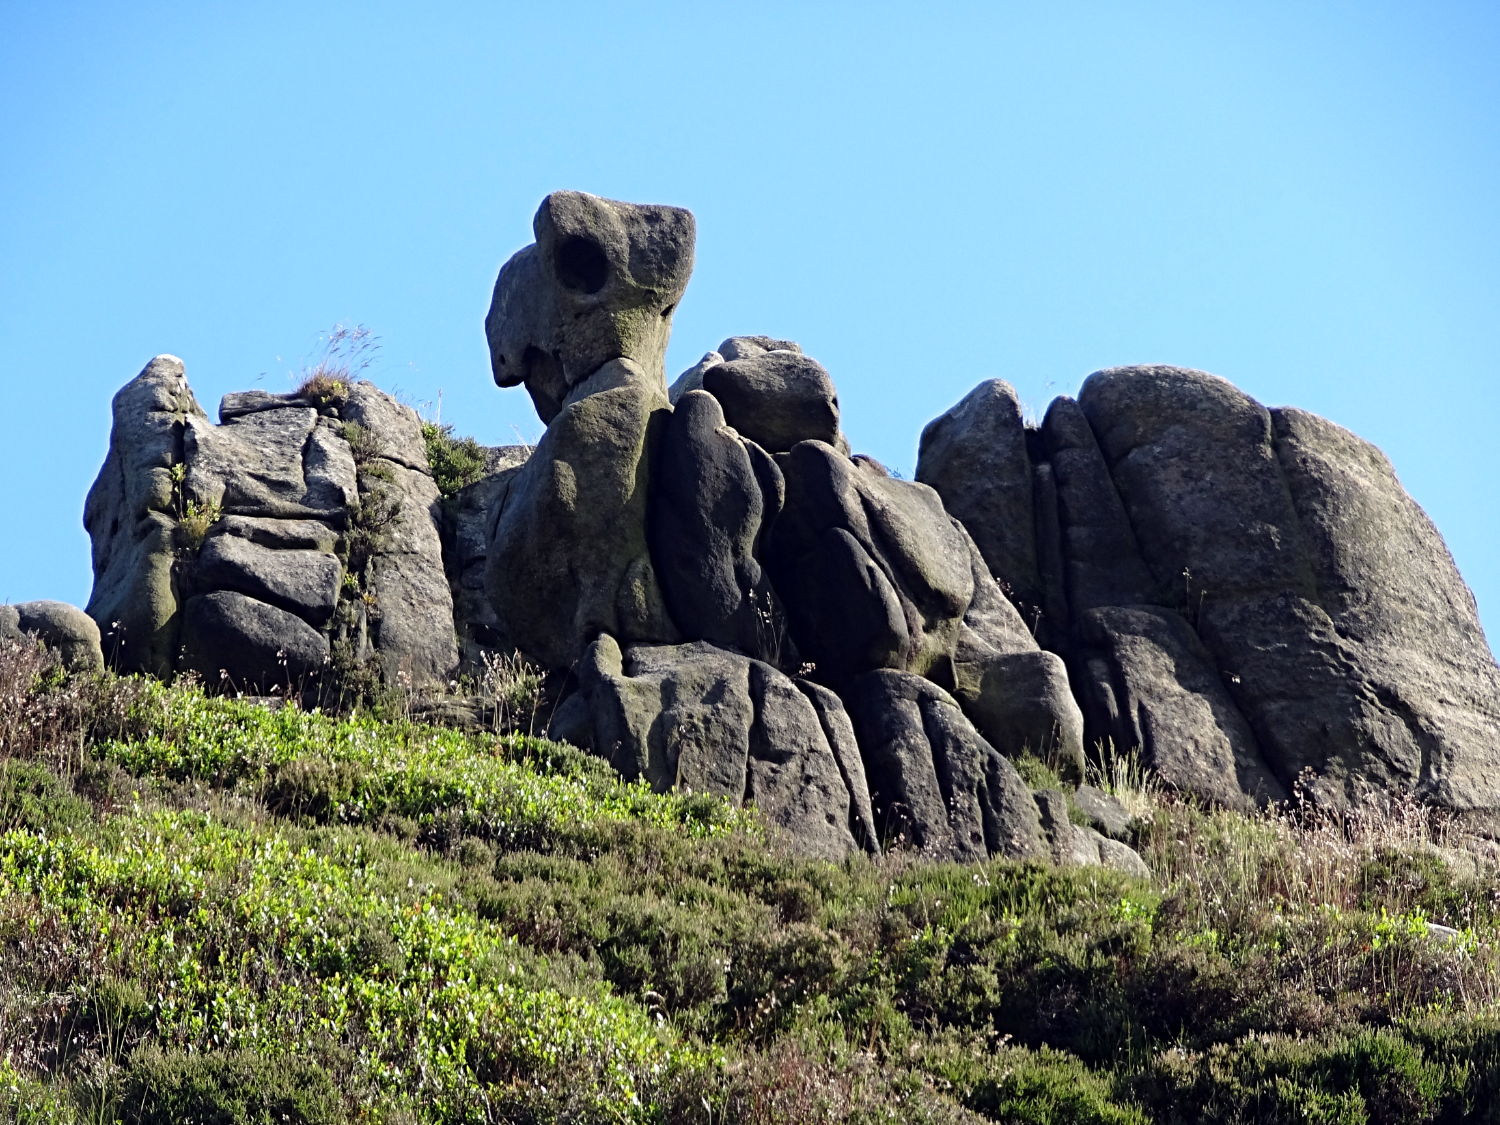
[[581, 264]]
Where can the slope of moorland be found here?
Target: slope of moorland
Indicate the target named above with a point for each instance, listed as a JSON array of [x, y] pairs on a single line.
[[216, 910]]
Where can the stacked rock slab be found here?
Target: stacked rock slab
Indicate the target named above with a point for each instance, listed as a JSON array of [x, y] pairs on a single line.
[[1247, 595], [730, 593], [246, 550]]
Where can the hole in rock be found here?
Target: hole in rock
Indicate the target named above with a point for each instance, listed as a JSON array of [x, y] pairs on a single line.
[[581, 264], [666, 312]]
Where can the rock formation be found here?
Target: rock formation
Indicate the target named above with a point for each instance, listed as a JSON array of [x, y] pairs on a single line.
[[298, 533], [734, 604], [1246, 595]]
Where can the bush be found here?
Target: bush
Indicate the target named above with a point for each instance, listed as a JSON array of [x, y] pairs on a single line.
[[206, 900], [227, 1088], [455, 462]]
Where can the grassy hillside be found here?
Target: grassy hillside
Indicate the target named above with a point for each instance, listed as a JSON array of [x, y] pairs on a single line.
[[216, 911]]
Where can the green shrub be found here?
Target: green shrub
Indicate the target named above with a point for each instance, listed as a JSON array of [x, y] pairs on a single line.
[[455, 462], [33, 798], [227, 1088], [1014, 1084], [199, 896]]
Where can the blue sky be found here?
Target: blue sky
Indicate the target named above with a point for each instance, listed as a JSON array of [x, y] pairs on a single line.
[[1299, 197]]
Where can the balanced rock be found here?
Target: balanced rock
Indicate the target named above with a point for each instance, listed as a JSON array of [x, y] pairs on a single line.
[[776, 399], [600, 283]]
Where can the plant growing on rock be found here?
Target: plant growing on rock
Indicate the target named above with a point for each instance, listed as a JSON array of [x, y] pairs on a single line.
[[346, 353], [456, 462]]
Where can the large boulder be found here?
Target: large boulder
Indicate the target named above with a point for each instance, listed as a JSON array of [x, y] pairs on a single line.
[[63, 628], [1331, 609], [130, 515], [776, 399], [249, 644], [699, 717], [269, 504], [872, 571], [600, 283], [975, 457], [1390, 587], [934, 781], [712, 494], [568, 556]]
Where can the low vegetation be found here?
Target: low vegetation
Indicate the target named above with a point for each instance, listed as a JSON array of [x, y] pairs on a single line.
[[456, 462], [215, 909]]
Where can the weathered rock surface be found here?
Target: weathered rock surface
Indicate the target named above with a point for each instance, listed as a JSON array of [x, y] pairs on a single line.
[[747, 347], [871, 569], [1106, 813], [776, 399], [415, 637], [839, 731], [699, 717], [1101, 559], [975, 457], [283, 462], [1016, 694], [1076, 846], [1389, 585], [706, 515], [1296, 553], [252, 643], [282, 535], [395, 427], [268, 504], [1157, 690], [692, 378], [302, 582], [568, 555], [64, 628], [933, 779], [600, 283], [129, 516], [466, 545]]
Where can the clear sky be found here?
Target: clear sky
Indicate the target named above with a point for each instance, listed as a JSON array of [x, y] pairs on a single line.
[[1301, 197]]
